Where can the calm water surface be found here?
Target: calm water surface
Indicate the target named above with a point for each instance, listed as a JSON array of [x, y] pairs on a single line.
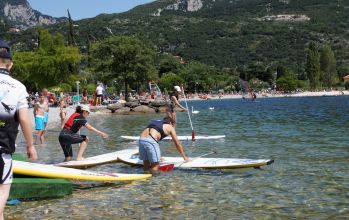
[[307, 137]]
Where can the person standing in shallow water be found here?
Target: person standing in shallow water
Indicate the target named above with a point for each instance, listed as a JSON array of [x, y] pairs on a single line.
[[39, 115], [69, 134], [13, 112], [148, 146], [174, 97]]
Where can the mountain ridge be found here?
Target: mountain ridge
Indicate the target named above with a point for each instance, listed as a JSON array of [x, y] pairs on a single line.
[[226, 33], [19, 14]]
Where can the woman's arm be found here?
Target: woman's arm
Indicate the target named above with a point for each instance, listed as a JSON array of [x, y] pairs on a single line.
[[174, 99], [89, 127]]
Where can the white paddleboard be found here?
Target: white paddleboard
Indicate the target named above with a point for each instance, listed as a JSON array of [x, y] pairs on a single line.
[[181, 138], [98, 160], [205, 163], [51, 171]]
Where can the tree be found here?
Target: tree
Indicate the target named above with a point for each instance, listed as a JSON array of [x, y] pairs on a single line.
[[312, 66], [71, 38], [169, 80], [287, 82], [328, 67], [169, 63], [123, 57], [49, 65]]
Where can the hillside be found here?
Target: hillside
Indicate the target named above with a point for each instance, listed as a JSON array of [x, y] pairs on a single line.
[[226, 33]]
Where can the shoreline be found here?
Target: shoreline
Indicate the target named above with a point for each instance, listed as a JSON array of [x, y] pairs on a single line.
[[55, 120], [276, 95]]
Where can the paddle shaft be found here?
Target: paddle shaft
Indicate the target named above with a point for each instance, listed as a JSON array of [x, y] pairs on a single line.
[[191, 124]]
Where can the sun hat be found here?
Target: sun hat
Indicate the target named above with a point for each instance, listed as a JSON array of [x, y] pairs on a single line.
[[85, 108], [177, 88], [5, 50]]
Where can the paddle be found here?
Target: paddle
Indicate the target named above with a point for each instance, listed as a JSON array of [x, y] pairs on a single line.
[[191, 124], [170, 166]]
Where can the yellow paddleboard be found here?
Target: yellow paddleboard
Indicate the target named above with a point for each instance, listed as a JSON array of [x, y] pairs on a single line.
[[51, 171]]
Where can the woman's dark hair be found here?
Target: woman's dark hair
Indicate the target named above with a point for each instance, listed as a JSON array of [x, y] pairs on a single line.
[[78, 109]]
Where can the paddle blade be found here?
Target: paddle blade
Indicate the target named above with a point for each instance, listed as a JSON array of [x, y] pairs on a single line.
[[192, 135], [166, 167]]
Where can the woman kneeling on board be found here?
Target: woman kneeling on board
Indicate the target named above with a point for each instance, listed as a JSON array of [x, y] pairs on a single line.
[[69, 134], [149, 150]]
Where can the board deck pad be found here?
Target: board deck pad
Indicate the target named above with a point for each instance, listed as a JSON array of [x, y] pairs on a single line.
[[98, 160], [51, 171], [181, 138], [205, 163]]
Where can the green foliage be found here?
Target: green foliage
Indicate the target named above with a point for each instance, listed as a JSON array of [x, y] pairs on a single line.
[[63, 87], [328, 67], [125, 58], [91, 88], [258, 85], [287, 82], [169, 80], [312, 66], [169, 63], [52, 63], [222, 34], [346, 85]]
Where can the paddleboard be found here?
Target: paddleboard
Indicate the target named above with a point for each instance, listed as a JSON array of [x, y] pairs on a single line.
[[181, 138], [51, 171], [97, 160], [204, 163]]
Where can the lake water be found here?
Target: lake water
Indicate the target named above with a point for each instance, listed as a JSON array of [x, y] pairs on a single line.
[[307, 137]]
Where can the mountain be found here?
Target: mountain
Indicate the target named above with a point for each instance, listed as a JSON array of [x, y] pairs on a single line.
[[19, 14], [225, 33]]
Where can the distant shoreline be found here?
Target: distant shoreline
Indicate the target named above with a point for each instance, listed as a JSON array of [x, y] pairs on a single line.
[[277, 95], [54, 118]]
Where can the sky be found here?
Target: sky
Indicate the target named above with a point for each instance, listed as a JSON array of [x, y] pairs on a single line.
[[80, 9]]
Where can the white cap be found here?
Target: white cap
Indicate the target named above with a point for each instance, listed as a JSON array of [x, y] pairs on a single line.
[[85, 108], [177, 88]]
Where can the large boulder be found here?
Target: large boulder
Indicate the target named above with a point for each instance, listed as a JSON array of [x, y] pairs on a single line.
[[116, 106], [144, 101], [132, 104], [123, 111], [144, 109], [158, 103]]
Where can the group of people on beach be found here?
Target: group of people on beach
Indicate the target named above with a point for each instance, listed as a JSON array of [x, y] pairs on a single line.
[[14, 112]]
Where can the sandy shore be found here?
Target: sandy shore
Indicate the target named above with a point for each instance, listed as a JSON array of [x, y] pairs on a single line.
[[268, 95]]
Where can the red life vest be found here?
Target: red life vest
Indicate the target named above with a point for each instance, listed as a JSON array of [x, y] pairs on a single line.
[[70, 121]]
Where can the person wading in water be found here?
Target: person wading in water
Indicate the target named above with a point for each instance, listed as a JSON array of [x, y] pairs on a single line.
[[149, 150], [69, 134]]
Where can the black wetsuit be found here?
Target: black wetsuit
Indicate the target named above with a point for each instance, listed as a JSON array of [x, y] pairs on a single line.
[[69, 134]]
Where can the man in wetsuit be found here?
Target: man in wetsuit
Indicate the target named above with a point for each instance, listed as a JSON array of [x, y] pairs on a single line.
[[149, 150], [69, 134], [13, 111]]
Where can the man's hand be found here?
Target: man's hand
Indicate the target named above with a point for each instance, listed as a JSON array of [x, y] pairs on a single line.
[[31, 153], [104, 135]]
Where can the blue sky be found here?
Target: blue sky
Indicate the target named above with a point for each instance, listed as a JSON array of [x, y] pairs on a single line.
[[80, 9]]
